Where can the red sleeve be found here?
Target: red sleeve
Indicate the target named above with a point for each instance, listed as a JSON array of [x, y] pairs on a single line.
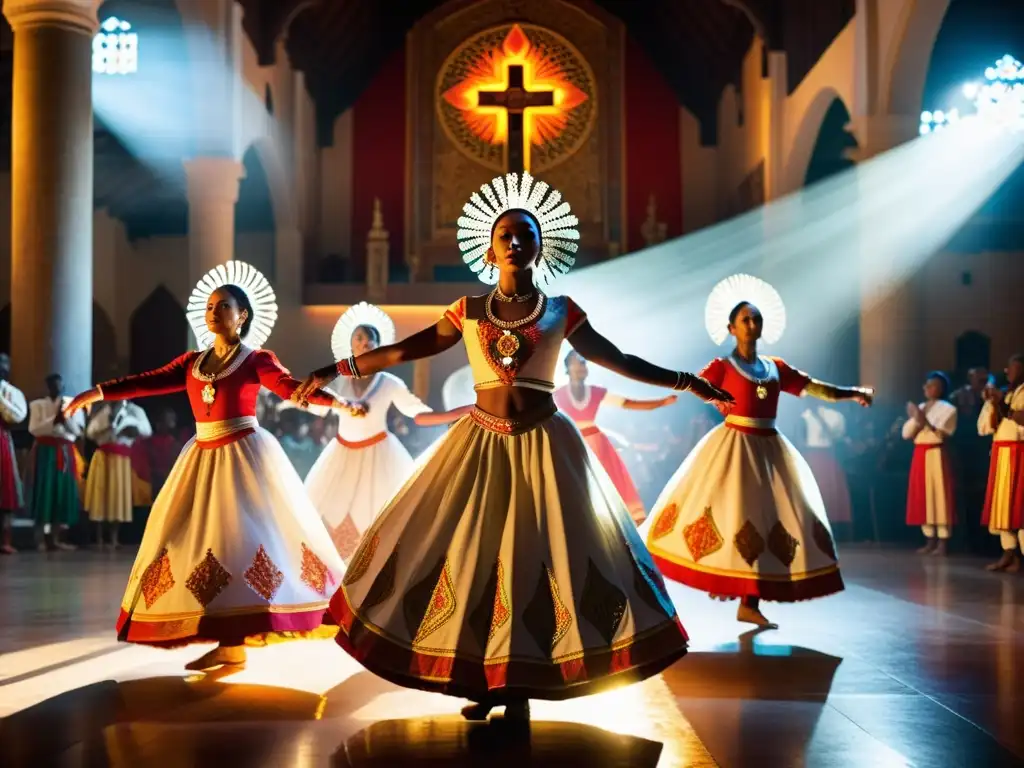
[[714, 372], [161, 381], [574, 317], [456, 313], [280, 381], [792, 381]]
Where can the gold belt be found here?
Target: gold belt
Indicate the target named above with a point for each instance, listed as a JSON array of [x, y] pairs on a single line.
[[516, 426]]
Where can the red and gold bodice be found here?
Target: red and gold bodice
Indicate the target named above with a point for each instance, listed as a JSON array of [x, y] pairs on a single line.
[[230, 394], [519, 357], [757, 397], [583, 414]]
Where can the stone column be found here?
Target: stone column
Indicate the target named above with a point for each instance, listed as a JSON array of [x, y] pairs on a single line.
[[212, 194], [890, 313], [51, 191]]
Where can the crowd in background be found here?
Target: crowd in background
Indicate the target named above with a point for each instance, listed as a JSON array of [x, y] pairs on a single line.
[[870, 449]]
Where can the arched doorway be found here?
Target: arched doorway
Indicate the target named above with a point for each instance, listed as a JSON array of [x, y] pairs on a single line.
[[158, 334], [254, 217]]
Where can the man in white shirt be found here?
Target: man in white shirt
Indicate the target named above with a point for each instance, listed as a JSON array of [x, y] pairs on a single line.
[[13, 410], [53, 472]]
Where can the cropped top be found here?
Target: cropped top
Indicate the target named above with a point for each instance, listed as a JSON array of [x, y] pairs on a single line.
[[739, 380], [235, 388], [522, 357]]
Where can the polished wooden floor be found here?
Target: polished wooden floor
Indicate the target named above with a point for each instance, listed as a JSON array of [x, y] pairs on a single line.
[[919, 663]]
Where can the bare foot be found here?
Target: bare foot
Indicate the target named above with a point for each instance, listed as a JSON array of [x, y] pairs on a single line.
[[1002, 563], [221, 656], [477, 712], [753, 616], [518, 710], [928, 547]]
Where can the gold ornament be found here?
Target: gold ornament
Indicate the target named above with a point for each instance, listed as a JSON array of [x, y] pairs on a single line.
[[209, 393], [762, 392], [507, 346]]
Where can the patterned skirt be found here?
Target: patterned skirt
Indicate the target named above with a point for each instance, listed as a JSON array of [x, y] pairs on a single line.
[[233, 549], [616, 469], [352, 481], [743, 516], [1004, 497], [507, 567], [52, 482]]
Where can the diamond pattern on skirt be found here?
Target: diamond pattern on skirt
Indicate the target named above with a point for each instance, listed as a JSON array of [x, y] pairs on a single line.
[[416, 600], [824, 539], [502, 605], [481, 618], [315, 574], [647, 583], [384, 585], [441, 606], [666, 522], [702, 536], [363, 558], [782, 544], [157, 579], [602, 603], [346, 538], [749, 543], [208, 579], [546, 618], [263, 577]]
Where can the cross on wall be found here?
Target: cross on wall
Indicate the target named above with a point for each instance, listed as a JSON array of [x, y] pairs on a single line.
[[515, 100]]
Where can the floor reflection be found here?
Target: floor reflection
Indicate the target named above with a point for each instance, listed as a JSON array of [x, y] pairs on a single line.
[[455, 743]]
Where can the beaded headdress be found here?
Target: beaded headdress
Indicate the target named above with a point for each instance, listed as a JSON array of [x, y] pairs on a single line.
[[256, 287], [735, 289], [558, 231], [355, 316]]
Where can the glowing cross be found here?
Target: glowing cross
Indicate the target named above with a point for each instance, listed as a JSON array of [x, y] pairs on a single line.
[[515, 100]]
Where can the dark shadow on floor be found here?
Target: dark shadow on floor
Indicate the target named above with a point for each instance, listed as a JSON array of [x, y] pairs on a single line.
[[455, 743], [35, 735], [754, 704]]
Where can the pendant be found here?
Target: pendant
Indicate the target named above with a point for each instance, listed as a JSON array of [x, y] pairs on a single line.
[[507, 346], [209, 393], [762, 392]]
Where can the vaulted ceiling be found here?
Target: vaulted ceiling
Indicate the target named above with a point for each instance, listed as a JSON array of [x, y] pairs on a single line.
[[341, 44], [697, 44]]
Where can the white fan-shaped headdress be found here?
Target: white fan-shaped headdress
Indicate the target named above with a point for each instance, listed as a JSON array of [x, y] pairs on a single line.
[[558, 231], [256, 287], [730, 292], [360, 314]]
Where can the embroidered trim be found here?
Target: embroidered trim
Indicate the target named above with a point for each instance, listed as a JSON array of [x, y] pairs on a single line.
[[241, 357]]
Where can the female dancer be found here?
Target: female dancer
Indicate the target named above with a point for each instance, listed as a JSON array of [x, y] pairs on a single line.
[[931, 498], [742, 517], [359, 472], [233, 547], [581, 403], [507, 567]]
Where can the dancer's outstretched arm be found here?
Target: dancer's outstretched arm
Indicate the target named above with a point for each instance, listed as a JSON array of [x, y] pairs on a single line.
[[430, 341], [596, 348]]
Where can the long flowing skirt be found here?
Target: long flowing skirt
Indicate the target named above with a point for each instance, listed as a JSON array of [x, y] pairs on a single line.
[[931, 495], [507, 566], [743, 516], [52, 483], [108, 488], [11, 498], [831, 480], [233, 548], [617, 471], [1004, 498], [351, 483]]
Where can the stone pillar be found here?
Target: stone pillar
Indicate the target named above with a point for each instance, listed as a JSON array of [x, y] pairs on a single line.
[[890, 312], [51, 191], [212, 194], [774, 153]]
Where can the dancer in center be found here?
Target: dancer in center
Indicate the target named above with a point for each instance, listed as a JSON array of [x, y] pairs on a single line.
[[508, 567], [743, 517], [363, 467], [233, 548], [581, 402]]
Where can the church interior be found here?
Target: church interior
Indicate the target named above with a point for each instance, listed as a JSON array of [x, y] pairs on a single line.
[[862, 157]]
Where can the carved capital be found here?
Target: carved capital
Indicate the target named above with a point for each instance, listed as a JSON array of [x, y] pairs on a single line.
[[75, 15], [215, 179]]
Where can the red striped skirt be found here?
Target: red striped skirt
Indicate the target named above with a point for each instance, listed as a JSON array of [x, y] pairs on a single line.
[[1004, 497], [931, 497]]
